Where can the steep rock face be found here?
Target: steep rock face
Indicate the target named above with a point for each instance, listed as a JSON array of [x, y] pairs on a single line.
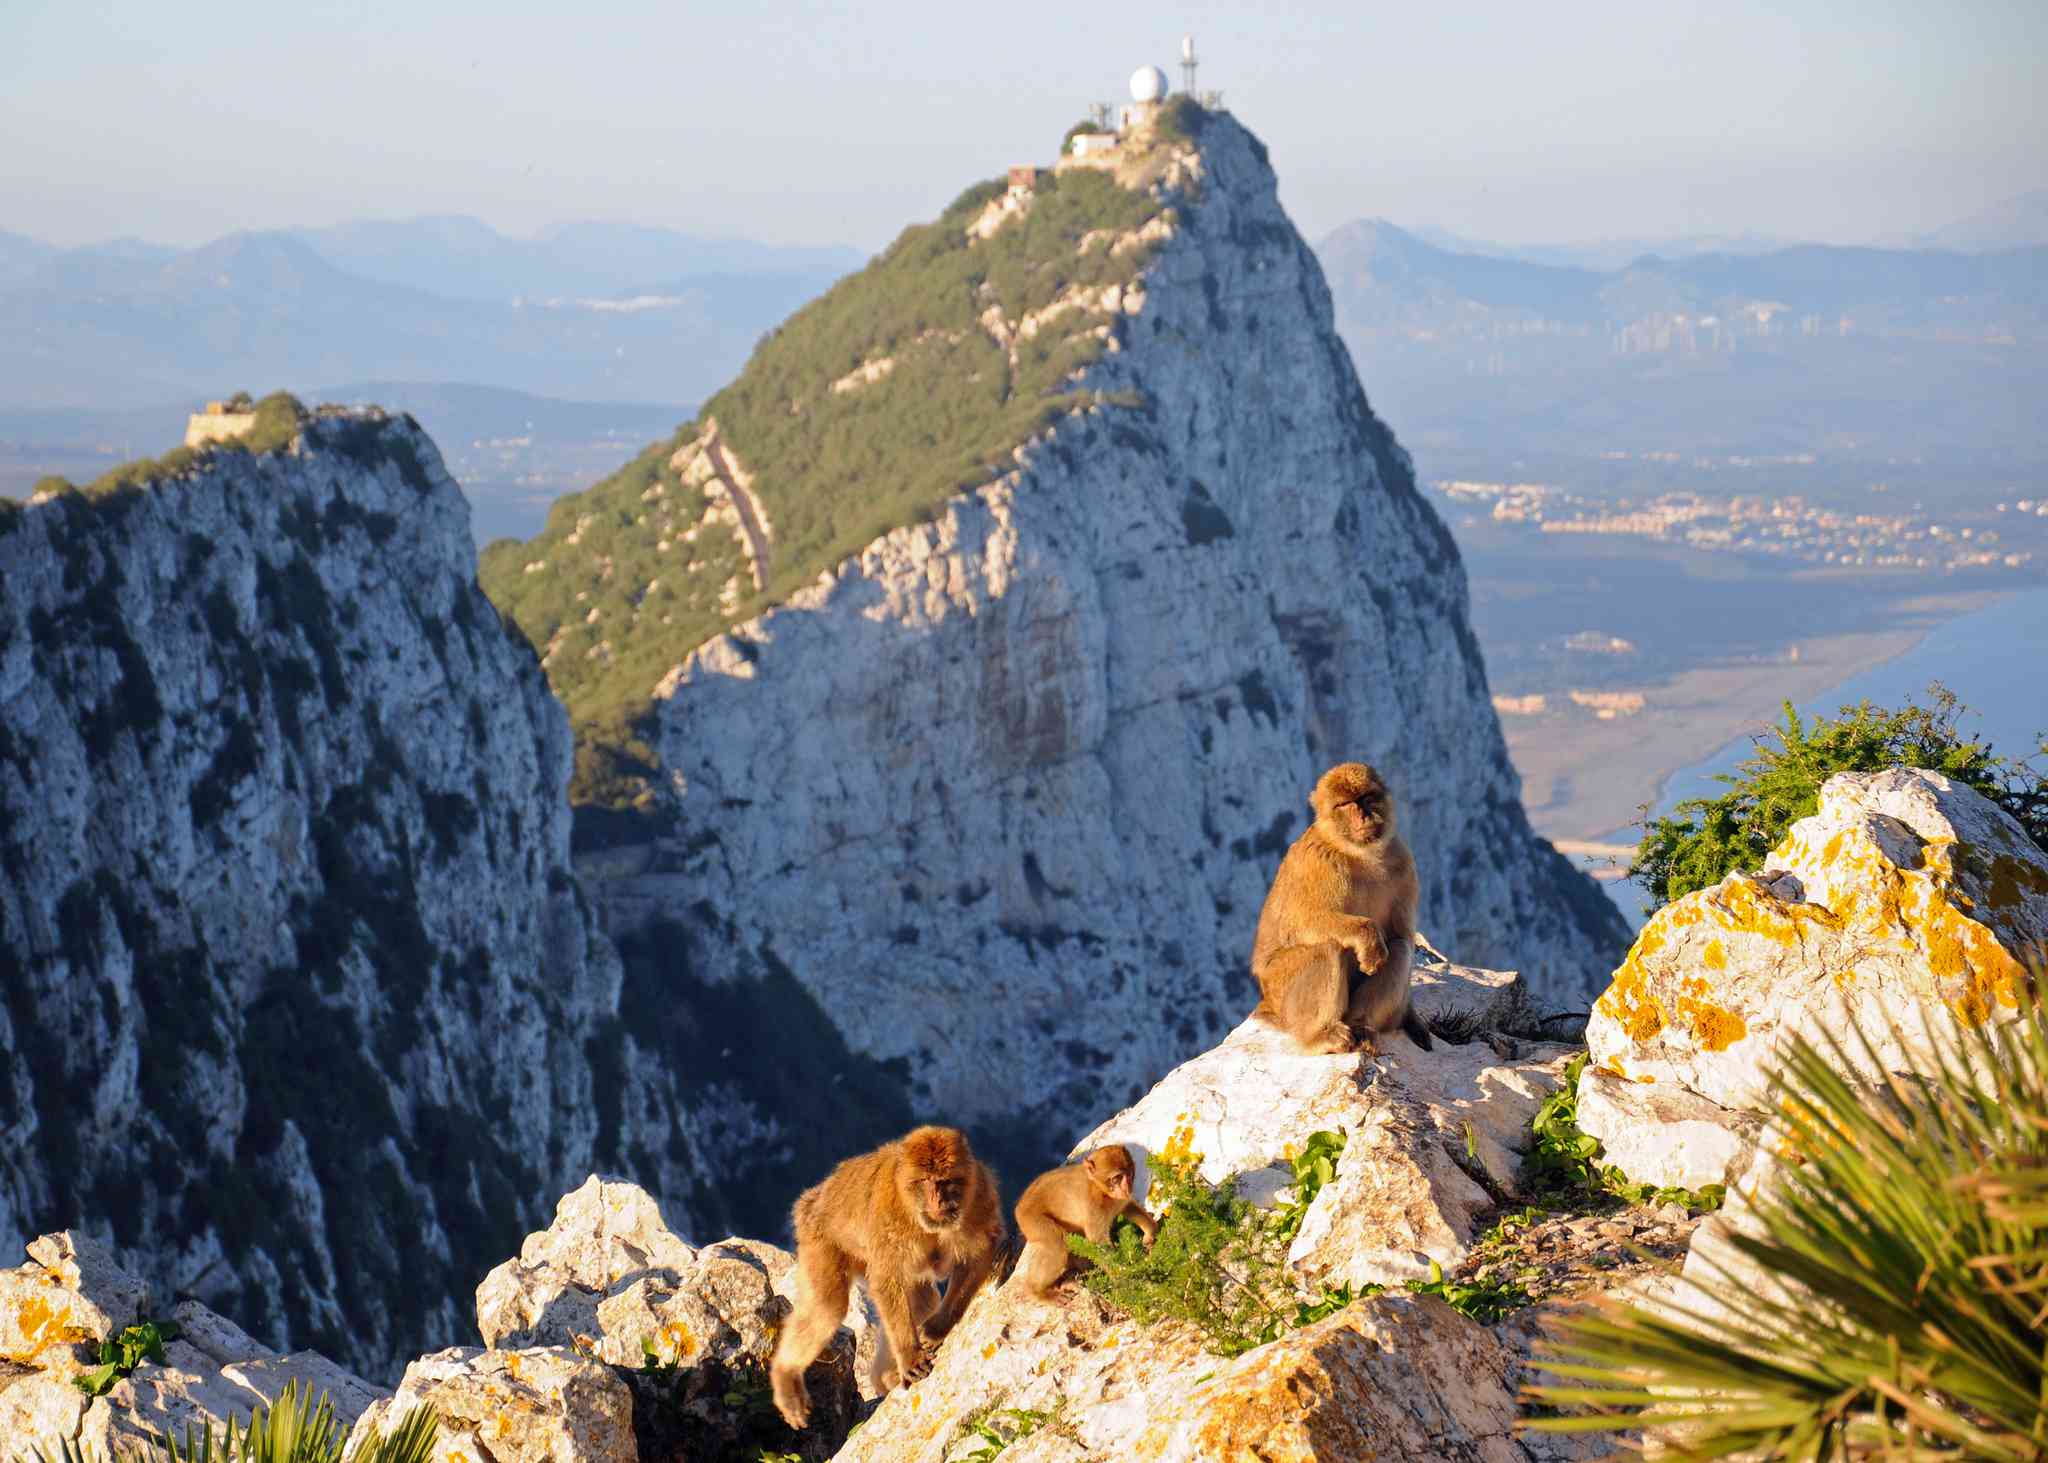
[[1003, 793], [302, 1001]]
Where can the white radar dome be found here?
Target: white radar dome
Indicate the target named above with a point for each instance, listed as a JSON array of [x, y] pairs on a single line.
[[1148, 84]]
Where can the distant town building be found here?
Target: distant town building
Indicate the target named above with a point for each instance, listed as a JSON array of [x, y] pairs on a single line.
[[1023, 178], [1088, 144], [220, 422]]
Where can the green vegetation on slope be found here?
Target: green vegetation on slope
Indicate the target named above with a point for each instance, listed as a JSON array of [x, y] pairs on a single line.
[[1706, 839], [611, 610]]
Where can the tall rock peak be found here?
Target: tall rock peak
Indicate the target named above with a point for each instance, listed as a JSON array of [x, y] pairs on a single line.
[[1002, 787]]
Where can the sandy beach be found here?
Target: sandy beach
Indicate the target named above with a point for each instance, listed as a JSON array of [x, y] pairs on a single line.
[[1585, 780]]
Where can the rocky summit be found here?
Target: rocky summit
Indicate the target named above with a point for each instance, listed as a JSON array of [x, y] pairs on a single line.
[[1000, 789]]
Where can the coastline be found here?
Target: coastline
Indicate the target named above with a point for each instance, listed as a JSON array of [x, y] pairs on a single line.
[[1586, 782]]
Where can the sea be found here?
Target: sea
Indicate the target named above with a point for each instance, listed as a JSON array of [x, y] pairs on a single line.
[[1996, 662]]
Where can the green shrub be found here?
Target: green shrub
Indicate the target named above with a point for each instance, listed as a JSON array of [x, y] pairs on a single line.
[[1912, 1228], [1706, 839], [1219, 1262], [997, 1430]]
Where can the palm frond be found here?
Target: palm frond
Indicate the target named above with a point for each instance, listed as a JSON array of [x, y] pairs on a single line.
[[1904, 1246]]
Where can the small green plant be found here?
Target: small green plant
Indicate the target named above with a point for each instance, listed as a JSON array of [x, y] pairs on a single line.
[[1485, 1301], [299, 1430], [1314, 1166], [1909, 1234], [1706, 839], [1219, 1262], [1565, 1162], [123, 1353], [1000, 1429]]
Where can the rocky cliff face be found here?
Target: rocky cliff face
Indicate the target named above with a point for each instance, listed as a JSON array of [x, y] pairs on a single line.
[[1003, 792], [304, 1009]]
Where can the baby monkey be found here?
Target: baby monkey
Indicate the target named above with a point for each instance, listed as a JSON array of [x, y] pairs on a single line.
[[1085, 1198]]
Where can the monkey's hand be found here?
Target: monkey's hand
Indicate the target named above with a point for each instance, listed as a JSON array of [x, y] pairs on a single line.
[[1367, 946], [919, 1366]]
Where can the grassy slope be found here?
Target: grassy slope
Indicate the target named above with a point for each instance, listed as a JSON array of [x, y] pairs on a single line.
[[832, 471]]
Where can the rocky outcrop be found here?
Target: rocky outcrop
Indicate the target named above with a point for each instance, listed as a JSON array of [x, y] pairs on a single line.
[[1007, 786], [306, 1010], [688, 1330], [1904, 899], [74, 1294], [541, 1405], [1426, 1134], [1393, 1376]]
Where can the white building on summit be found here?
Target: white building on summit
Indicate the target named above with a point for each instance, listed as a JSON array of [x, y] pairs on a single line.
[[1149, 92]]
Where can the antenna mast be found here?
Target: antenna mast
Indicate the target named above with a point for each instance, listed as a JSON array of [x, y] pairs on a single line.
[[1187, 65]]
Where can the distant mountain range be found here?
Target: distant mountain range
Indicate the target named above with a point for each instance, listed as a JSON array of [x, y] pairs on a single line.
[[1808, 348], [1705, 343], [590, 311]]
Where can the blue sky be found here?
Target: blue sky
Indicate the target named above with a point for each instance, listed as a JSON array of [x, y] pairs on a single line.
[[1820, 119]]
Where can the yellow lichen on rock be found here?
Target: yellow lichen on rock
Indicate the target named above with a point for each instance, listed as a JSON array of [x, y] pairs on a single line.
[[1628, 1000], [1714, 1027], [41, 1326]]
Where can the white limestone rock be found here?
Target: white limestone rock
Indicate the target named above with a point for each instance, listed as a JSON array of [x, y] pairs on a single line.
[[1392, 1377], [1414, 1122], [539, 1405], [609, 1279], [71, 1292], [1904, 899], [1665, 1135], [74, 1292], [606, 1234], [1905, 890], [1050, 745]]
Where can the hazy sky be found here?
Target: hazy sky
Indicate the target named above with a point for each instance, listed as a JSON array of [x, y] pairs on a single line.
[[1843, 120]]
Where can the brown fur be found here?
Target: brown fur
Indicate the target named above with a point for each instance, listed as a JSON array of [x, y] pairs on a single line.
[[1084, 1198], [1336, 938], [904, 1218]]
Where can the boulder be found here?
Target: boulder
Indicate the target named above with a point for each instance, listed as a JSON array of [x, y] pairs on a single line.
[[540, 1405], [605, 1235], [687, 1328], [1902, 896], [1390, 1377], [1425, 1133], [1665, 1135], [74, 1293]]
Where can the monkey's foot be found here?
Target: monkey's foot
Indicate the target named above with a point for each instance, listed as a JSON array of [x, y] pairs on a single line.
[[1417, 1031], [794, 1402], [1334, 1040]]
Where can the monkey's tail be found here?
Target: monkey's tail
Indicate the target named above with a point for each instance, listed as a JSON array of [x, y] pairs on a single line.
[[1008, 1253]]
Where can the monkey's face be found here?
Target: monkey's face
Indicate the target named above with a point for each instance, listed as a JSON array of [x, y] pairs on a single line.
[[936, 1200], [1355, 804], [1111, 1170]]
